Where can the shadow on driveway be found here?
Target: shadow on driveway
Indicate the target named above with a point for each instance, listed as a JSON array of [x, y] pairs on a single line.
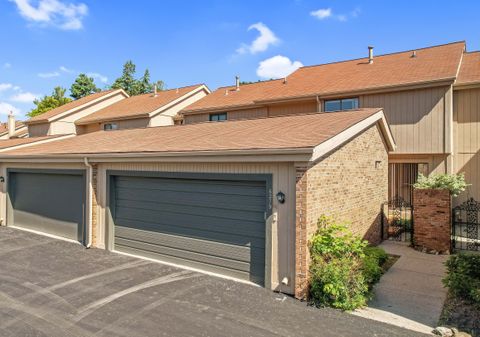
[[55, 288]]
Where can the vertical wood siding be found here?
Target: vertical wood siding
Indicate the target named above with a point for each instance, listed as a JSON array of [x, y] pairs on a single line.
[[466, 117], [283, 235], [416, 117]]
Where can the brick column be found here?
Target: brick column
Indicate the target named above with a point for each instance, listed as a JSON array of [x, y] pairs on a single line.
[[302, 255], [432, 220], [94, 205]]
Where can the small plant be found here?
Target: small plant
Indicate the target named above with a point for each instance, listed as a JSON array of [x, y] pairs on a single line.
[[455, 183], [343, 267], [463, 277]]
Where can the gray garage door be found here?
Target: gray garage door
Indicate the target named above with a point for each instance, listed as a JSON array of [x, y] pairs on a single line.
[[48, 201], [209, 223]]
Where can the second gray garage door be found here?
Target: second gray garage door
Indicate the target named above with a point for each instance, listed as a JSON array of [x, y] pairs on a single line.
[[215, 223], [48, 201]]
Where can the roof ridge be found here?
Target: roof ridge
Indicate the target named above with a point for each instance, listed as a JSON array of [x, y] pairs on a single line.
[[382, 55], [253, 83]]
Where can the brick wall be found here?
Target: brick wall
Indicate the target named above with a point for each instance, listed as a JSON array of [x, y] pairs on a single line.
[[432, 220], [349, 184]]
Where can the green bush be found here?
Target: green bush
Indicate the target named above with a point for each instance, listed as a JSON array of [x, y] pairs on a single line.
[[463, 277], [373, 261], [455, 183], [338, 283], [343, 267]]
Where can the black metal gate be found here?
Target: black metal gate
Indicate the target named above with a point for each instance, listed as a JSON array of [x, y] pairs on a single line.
[[465, 226], [397, 220]]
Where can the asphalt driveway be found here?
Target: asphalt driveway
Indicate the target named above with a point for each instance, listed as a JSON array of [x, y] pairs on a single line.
[[55, 288]]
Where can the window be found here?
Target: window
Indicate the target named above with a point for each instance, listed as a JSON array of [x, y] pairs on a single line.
[[341, 104], [110, 126], [218, 117]]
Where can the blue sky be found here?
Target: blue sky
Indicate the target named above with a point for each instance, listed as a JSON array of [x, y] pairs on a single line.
[[48, 42]]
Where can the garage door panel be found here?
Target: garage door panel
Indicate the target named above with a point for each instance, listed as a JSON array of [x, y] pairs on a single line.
[[153, 209], [189, 244], [48, 202], [240, 238], [193, 198], [208, 222], [195, 264], [248, 188]]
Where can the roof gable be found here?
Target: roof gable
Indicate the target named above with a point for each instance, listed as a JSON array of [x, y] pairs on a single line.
[[470, 69], [73, 106], [140, 105]]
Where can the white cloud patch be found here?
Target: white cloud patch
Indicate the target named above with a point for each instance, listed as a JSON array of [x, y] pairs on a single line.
[[7, 65], [266, 39], [327, 13], [97, 76], [49, 75], [6, 108], [322, 13], [60, 14], [5, 86], [277, 67], [24, 97], [66, 70]]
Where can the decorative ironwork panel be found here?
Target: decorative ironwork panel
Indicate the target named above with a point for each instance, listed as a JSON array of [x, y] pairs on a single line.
[[465, 226], [397, 220]]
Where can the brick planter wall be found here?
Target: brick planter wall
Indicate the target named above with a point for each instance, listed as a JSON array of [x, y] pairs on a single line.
[[432, 220]]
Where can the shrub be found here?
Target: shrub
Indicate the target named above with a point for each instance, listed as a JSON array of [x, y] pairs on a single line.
[[343, 268], [373, 261], [338, 283], [455, 183], [463, 277]]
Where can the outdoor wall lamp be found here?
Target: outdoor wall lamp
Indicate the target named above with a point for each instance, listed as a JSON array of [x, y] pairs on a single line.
[[281, 197], [2, 179]]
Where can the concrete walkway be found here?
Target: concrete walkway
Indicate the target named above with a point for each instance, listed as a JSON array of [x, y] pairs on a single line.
[[410, 294]]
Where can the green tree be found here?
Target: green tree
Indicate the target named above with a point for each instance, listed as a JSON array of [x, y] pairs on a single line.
[[127, 81], [56, 99], [83, 86], [133, 86]]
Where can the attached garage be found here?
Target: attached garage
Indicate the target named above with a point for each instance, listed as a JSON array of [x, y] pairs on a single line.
[[47, 201], [215, 222], [237, 198]]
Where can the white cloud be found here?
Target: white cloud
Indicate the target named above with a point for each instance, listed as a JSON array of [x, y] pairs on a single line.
[[277, 67], [100, 77], [327, 13], [67, 16], [266, 39], [66, 70], [7, 65], [24, 97], [49, 75], [322, 13], [6, 108], [5, 86]]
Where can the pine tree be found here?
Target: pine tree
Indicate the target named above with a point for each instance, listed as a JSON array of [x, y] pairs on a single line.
[[83, 86]]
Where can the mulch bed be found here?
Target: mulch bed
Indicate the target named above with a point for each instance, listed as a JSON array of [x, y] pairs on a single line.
[[460, 314]]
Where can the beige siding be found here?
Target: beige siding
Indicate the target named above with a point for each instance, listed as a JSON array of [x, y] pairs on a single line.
[[192, 119], [283, 230], [292, 108], [247, 113], [166, 117], [466, 117], [416, 117], [129, 123], [38, 130]]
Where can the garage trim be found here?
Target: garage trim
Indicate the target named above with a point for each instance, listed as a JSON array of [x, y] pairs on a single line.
[[77, 172], [266, 178]]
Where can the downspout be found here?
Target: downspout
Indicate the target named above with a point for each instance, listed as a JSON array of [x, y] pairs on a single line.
[[89, 202]]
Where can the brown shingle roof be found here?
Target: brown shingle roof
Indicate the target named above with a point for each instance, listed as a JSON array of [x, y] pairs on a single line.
[[4, 126], [430, 64], [290, 132], [22, 141], [69, 106], [137, 106], [470, 69]]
